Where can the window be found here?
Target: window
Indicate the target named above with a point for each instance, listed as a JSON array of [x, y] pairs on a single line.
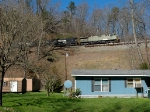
[[130, 82], [101, 84], [4, 83]]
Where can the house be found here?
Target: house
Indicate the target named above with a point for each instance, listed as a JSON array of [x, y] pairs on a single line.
[[119, 83]]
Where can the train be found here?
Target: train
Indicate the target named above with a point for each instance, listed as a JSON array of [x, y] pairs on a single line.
[[73, 41], [104, 39]]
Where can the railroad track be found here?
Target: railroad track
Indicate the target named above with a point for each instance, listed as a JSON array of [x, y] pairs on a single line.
[[113, 44]]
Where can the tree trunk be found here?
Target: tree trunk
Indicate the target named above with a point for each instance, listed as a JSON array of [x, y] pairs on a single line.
[[1, 86], [47, 90], [147, 50], [40, 39], [134, 32], [52, 89]]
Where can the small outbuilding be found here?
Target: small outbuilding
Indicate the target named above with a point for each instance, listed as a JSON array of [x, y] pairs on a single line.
[[119, 83], [33, 84], [14, 85], [15, 81]]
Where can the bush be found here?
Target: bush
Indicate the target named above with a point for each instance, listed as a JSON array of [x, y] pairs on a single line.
[[144, 66], [76, 93], [57, 86]]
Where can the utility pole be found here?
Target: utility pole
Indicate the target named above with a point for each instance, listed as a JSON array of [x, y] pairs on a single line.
[[66, 55]]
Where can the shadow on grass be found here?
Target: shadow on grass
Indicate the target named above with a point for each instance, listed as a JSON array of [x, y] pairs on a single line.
[[44, 103], [112, 108], [140, 108]]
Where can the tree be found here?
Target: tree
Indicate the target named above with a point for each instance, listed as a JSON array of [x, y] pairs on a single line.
[[50, 79], [17, 29], [114, 18], [81, 16], [28, 3], [65, 21], [125, 24], [48, 25], [134, 31], [96, 21], [106, 20], [72, 9]]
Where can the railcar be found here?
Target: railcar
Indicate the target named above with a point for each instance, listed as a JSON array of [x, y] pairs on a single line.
[[57, 42], [71, 41], [99, 39], [66, 42]]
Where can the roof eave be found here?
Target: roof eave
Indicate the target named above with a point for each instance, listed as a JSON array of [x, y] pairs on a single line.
[[73, 75]]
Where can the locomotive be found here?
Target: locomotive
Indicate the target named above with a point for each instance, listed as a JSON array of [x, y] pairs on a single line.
[[104, 39]]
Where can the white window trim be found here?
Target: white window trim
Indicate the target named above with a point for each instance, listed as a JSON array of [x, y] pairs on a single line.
[[101, 84], [132, 82]]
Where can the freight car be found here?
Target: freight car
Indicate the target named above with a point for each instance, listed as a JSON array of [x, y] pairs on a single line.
[[104, 39], [71, 41]]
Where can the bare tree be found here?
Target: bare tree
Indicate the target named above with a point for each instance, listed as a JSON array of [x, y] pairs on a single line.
[[134, 32], [81, 15], [106, 20], [17, 30], [50, 79], [125, 24], [96, 21]]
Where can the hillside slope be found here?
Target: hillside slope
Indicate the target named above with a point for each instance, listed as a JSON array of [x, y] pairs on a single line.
[[104, 58], [80, 57]]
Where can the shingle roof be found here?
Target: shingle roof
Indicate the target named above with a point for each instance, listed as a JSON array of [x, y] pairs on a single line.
[[77, 72]]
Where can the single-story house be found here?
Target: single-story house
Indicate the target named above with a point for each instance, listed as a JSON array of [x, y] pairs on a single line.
[[119, 83]]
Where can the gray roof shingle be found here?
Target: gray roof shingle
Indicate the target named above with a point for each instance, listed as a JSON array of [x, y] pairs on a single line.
[[77, 72]]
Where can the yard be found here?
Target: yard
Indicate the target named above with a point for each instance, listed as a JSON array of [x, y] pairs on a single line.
[[39, 102]]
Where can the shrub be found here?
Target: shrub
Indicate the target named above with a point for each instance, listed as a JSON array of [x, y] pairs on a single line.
[[76, 93], [144, 66]]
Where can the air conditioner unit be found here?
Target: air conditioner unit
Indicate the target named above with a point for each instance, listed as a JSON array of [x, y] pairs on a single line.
[[138, 85]]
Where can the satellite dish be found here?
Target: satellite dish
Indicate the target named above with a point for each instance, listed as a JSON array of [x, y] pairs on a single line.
[[68, 84]]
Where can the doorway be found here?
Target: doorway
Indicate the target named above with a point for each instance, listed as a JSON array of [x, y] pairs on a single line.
[[13, 86]]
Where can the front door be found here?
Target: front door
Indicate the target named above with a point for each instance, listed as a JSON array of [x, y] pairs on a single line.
[[13, 86]]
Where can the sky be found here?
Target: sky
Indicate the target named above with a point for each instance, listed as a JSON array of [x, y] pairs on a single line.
[[91, 3]]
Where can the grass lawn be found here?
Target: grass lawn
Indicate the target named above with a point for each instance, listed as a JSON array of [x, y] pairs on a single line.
[[39, 102]]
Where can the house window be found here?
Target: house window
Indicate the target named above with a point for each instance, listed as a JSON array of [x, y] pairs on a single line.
[[4, 83], [130, 82], [101, 84]]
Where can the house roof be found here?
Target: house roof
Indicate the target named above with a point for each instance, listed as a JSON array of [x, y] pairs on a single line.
[[112, 73], [13, 79]]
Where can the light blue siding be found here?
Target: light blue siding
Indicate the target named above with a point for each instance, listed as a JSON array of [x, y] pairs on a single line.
[[117, 86]]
